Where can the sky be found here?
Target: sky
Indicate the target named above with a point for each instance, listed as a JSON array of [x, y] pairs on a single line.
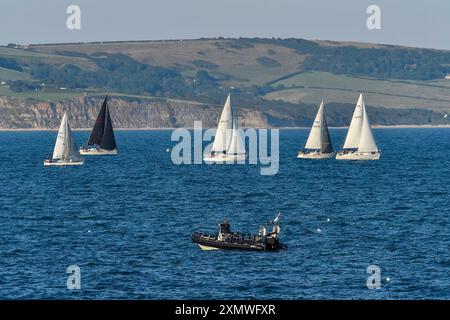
[[417, 23]]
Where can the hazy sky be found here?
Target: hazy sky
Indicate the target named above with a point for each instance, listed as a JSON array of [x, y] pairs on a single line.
[[422, 23]]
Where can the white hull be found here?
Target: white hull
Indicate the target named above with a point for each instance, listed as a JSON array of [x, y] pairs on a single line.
[[358, 156], [315, 155], [224, 158], [97, 152], [63, 163], [207, 248]]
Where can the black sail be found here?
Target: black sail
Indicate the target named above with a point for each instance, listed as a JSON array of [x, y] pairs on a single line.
[[97, 132], [102, 134], [326, 142], [108, 141]]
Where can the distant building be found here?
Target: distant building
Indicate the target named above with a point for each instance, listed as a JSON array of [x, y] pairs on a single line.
[[17, 46]]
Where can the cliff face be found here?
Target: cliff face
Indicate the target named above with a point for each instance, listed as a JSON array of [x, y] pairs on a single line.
[[82, 111], [136, 113]]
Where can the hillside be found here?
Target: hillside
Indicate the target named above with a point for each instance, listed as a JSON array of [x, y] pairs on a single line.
[[391, 93], [280, 80]]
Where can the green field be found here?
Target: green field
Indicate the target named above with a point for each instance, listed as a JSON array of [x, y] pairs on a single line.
[[55, 95], [45, 57], [311, 87], [47, 95], [8, 74]]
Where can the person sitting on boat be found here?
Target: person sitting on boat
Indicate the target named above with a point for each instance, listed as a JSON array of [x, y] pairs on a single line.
[[262, 231]]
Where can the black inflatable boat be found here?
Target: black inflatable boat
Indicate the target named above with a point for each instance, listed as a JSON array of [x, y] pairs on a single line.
[[226, 239]]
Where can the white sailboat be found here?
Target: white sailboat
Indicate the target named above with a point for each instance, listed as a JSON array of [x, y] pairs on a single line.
[[228, 145], [65, 153], [318, 145], [360, 143]]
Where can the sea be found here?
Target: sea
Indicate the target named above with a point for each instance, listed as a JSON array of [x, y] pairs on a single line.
[[354, 230]]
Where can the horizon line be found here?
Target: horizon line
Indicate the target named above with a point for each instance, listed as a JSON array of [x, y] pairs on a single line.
[[343, 42]]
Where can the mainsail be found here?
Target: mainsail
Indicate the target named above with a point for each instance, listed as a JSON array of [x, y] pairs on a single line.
[[65, 147], [319, 137], [102, 134], [354, 131], [223, 134], [58, 152]]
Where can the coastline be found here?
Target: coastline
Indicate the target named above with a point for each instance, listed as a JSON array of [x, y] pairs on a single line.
[[399, 126], [379, 126], [412, 126], [84, 129]]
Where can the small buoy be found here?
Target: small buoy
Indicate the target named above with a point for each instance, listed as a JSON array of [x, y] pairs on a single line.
[[319, 230], [89, 231], [388, 279], [328, 219], [167, 150]]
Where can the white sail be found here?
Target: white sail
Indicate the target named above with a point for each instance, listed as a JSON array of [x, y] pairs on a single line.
[[367, 142], [354, 131], [223, 135], [65, 148], [58, 152], [315, 136], [237, 145]]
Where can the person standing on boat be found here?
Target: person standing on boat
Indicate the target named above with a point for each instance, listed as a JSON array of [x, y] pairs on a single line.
[[224, 228], [275, 225], [276, 229]]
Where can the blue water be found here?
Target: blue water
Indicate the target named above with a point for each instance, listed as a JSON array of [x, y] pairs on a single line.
[[126, 221]]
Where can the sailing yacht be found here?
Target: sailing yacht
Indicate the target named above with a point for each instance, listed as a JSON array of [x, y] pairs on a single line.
[[318, 145], [228, 145], [102, 140], [65, 152], [359, 143]]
